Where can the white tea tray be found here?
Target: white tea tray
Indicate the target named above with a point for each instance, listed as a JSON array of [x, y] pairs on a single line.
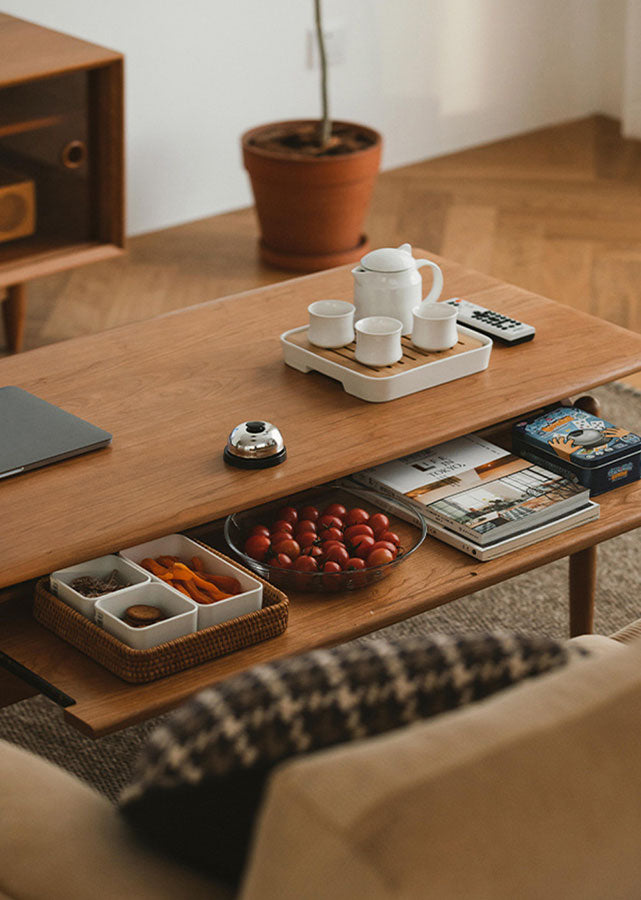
[[415, 371]]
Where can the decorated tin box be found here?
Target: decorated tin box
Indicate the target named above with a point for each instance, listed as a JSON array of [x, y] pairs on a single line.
[[587, 449]]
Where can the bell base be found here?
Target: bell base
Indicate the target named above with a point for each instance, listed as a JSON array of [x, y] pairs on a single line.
[[243, 462]]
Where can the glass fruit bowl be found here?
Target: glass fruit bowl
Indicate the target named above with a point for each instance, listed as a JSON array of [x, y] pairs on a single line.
[[404, 523]]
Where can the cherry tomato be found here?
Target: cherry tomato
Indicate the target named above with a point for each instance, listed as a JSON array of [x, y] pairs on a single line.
[[257, 546], [327, 545], [356, 516], [386, 545], [354, 563], [389, 536], [288, 513], [282, 525], [353, 530], [305, 525], [379, 523], [282, 561], [362, 544], [333, 575], [310, 513], [314, 552], [339, 555], [260, 529], [335, 509], [305, 564], [330, 522], [288, 546], [331, 534], [379, 557], [278, 536], [307, 539]]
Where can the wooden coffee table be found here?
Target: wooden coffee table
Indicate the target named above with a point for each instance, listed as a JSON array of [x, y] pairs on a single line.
[[172, 388]]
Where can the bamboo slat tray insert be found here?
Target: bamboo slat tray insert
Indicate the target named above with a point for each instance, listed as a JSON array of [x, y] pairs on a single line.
[[416, 370]]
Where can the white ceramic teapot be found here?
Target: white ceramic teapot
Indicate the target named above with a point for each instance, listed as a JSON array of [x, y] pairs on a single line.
[[387, 283]]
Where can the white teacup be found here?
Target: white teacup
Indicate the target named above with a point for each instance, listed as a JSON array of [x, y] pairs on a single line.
[[331, 323], [378, 340], [434, 326]]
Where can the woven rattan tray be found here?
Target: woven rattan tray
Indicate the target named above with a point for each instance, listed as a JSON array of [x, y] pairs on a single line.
[[138, 666]]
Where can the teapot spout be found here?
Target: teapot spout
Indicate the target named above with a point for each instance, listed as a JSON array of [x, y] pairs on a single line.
[[360, 274]]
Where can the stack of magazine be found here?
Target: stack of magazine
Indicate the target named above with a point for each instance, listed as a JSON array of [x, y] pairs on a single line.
[[480, 498]]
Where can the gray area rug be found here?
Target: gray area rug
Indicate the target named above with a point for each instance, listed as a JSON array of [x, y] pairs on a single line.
[[535, 602]]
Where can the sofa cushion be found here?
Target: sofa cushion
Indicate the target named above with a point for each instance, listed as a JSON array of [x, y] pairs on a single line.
[[532, 793], [200, 780]]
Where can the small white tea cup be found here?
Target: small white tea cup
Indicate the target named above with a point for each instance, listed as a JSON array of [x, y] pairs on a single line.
[[434, 326], [378, 340], [331, 323]]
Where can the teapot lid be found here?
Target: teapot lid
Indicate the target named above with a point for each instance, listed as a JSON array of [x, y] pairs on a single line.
[[389, 259]]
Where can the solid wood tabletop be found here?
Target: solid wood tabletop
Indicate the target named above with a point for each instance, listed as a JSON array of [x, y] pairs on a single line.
[[171, 389]]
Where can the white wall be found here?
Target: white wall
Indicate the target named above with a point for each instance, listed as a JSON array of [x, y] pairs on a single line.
[[432, 75]]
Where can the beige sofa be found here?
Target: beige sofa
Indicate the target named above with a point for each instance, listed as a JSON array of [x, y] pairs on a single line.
[[532, 793]]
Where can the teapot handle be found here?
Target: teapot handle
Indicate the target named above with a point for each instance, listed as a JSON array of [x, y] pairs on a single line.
[[437, 275]]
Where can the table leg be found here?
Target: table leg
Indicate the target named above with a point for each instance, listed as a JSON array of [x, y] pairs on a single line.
[[582, 590], [14, 312]]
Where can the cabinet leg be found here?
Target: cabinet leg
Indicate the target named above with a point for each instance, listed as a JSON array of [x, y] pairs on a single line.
[[14, 311], [582, 590]]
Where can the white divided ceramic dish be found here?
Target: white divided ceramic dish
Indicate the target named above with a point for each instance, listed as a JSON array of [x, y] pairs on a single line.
[[60, 581], [250, 600], [181, 611]]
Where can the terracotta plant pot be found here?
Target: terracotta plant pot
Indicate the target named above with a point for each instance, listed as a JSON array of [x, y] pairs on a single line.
[[311, 209]]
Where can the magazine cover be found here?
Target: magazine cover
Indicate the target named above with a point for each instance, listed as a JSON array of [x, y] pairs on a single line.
[[435, 472], [519, 500]]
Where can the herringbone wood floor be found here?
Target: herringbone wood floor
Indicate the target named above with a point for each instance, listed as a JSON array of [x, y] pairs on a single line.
[[557, 211]]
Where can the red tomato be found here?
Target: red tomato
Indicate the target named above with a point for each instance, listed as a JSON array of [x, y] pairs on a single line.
[[288, 546], [379, 557], [310, 513], [329, 522], [386, 545], [314, 552], [282, 561], [362, 544], [339, 555], [356, 516], [335, 509], [305, 525], [282, 525], [389, 536], [278, 536], [379, 523], [305, 564], [331, 534], [288, 513], [355, 562], [353, 530], [260, 529], [326, 545], [307, 539], [331, 566], [257, 546]]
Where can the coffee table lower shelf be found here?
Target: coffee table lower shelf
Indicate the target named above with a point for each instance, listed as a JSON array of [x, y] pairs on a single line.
[[436, 574]]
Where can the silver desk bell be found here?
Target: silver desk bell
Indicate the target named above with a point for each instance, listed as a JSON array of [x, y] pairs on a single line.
[[255, 445]]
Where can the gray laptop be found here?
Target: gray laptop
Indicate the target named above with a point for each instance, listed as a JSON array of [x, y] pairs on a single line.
[[35, 433]]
